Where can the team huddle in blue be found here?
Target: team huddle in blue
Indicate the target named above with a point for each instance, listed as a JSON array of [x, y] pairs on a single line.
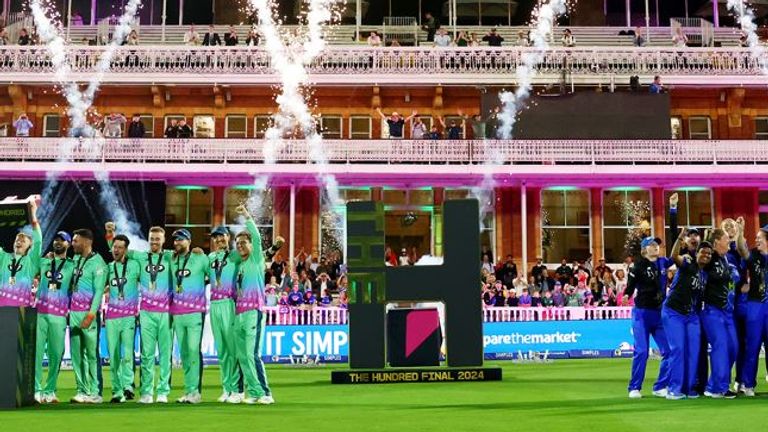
[[716, 302]]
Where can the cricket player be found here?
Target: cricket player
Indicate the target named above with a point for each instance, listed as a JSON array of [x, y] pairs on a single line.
[[122, 308], [19, 268], [648, 276], [756, 304], [89, 277], [250, 319], [155, 287], [680, 317], [188, 306], [52, 311]]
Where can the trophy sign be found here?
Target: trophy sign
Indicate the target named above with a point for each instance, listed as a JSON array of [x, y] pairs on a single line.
[[14, 212]]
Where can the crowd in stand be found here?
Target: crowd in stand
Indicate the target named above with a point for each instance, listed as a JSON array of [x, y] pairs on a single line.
[[580, 284]]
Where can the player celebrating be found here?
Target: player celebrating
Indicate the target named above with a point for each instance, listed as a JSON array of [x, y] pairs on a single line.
[[155, 286], [20, 267], [249, 324], [122, 308], [681, 319], [648, 276], [88, 280], [52, 310], [188, 306], [756, 305]]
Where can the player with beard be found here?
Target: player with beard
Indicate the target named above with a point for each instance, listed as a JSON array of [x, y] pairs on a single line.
[[122, 308], [89, 277], [19, 268], [52, 309]]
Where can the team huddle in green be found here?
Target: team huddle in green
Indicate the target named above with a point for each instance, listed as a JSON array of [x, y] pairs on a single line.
[[165, 289]]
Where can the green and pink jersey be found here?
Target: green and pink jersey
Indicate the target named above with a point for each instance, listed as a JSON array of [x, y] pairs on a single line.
[[222, 274], [55, 285], [188, 277], [18, 272], [123, 282], [250, 276], [89, 276]]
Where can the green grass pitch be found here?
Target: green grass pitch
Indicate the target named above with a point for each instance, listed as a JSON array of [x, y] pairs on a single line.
[[567, 395]]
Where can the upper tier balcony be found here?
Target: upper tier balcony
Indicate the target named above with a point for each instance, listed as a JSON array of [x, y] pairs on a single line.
[[446, 162], [394, 66]]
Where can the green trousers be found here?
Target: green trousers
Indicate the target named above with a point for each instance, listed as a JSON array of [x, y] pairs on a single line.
[[223, 325], [121, 334], [156, 336], [189, 332], [51, 332], [249, 334], [83, 344]]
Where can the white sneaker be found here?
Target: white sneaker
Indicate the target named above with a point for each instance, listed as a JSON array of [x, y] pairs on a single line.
[[146, 399], [95, 399], [51, 399], [182, 399], [235, 398], [672, 396], [250, 401], [79, 398], [749, 392], [162, 399], [39, 397], [713, 395], [266, 400], [635, 394], [737, 387], [223, 398], [661, 393], [194, 398]]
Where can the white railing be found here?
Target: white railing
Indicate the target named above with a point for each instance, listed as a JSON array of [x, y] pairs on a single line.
[[247, 62], [318, 315], [507, 314], [238, 151]]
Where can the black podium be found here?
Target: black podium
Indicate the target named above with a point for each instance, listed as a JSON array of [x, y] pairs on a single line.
[[17, 356]]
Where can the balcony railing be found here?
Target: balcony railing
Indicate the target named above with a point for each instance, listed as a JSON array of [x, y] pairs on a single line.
[[445, 152], [182, 64]]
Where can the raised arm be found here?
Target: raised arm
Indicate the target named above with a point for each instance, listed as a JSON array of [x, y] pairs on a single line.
[[413, 114], [378, 110], [250, 225], [673, 200], [741, 242], [442, 121], [676, 257]]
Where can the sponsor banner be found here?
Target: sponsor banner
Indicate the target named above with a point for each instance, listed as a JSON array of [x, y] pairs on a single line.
[[528, 340]]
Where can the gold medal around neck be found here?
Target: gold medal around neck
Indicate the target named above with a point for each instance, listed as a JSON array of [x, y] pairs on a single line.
[[152, 285], [11, 281], [179, 289], [52, 287]]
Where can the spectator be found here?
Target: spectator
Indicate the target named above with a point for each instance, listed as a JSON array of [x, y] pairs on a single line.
[[563, 272], [638, 39], [522, 39], [295, 297], [76, 20], [270, 296], [608, 299], [325, 299], [679, 39], [512, 299], [525, 299], [136, 128], [461, 39], [485, 250], [453, 131], [184, 130], [323, 266], [394, 43], [602, 268], [230, 39], [403, 259], [743, 40], [539, 273], [418, 128], [486, 265], [656, 86], [309, 298], [278, 267], [24, 38], [113, 125], [493, 38], [390, 259], [396, 123], [473, 41], [430, 26], [191, 37], [253, 38], [374, 39], [627, 264], [3, 36], [172, 131], [488, 295], [132, 39], [532, 288], [22, 125], [558, 297], [536, 300], [568, 40], [547, 300], [211, 38], [519, 284], [507, 273], [323, 284], [434, 134], [573, 299], [442, 39], [343, 300]]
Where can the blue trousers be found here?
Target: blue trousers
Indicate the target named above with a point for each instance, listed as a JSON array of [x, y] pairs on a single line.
[[740, 321], [756, 328], [721, 333], [684, 338], [703, 369], [647, 323]]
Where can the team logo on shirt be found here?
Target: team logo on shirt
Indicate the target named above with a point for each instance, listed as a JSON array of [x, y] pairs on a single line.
[[218, 265], [54, 276], [18, 267], [183, 273], [117, 282], [154, 268]]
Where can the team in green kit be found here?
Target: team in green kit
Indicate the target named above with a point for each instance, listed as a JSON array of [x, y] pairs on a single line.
[[159, 293]]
